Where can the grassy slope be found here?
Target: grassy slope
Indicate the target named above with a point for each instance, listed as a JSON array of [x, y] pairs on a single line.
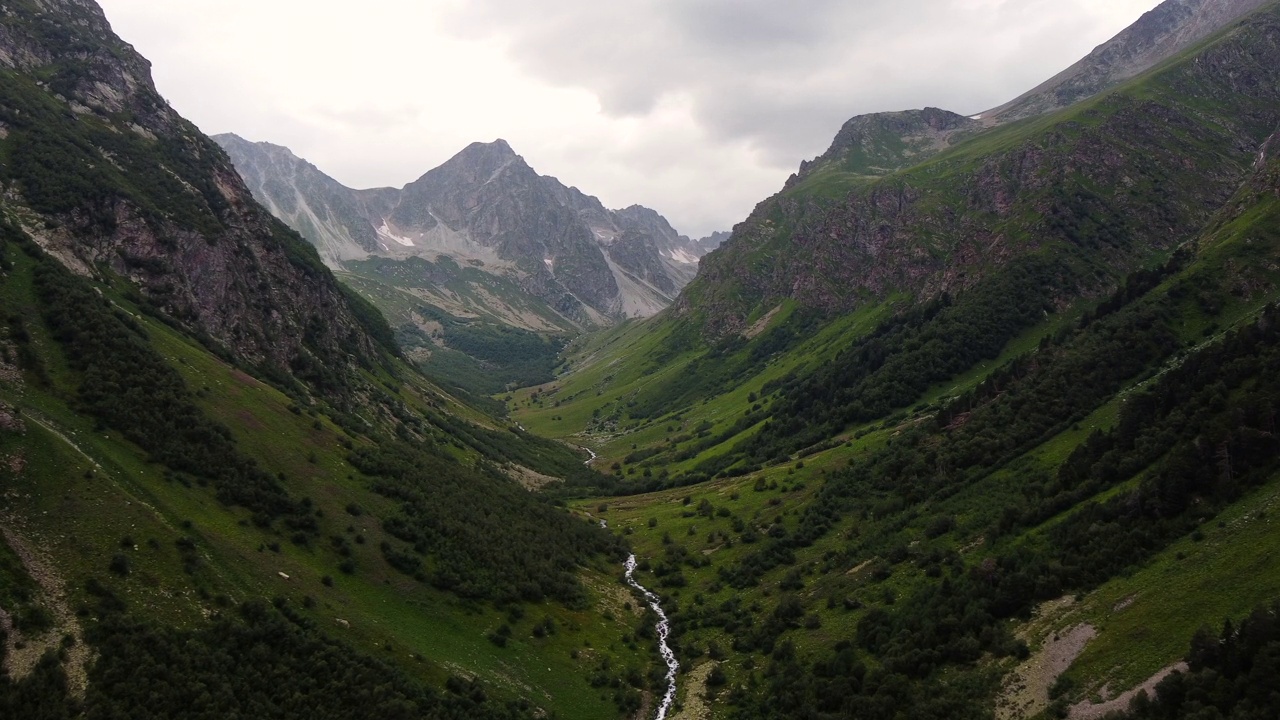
[[81, 521], [612, 368], [1143, 626]]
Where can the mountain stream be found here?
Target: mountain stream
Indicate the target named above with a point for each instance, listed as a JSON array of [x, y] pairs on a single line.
[[664, 630], [663, 627]]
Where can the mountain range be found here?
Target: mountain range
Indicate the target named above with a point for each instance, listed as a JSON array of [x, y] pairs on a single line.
[[486, 208], [974, 418]]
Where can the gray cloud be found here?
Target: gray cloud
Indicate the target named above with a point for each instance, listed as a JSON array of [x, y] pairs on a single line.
[[697, 108], [784, 76]]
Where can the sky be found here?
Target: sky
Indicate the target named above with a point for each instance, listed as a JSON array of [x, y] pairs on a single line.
[[698, 109]]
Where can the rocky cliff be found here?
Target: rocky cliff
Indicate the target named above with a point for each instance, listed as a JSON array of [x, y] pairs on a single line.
[[109, 179], [486, 208], [1096, 192]]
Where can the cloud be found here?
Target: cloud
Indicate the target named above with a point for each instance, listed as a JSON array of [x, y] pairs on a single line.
[[783, 76], [697, 108]]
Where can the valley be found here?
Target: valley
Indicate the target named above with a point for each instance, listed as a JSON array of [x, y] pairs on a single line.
[[973, 418]]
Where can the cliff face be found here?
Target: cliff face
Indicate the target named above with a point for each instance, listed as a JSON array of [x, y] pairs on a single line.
[[330, 215], [883, 143], [109, 179], [1098, 191], [485, 208]]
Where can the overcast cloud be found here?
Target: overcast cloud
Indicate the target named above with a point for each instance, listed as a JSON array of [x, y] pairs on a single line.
[[696, 108]]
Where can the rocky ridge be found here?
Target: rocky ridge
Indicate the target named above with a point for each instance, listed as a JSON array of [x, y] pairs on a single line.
[[1104, 188], [104, 175], [882, 143], [1160, 34], [485, 208]]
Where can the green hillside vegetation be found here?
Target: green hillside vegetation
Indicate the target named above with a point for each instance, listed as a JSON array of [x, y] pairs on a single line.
[[1063, 257], [858, 514], [444, 318], [933, 418], [193, 489], [1092, 193]]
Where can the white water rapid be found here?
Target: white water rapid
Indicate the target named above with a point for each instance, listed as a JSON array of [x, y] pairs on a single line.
[[664, 629]]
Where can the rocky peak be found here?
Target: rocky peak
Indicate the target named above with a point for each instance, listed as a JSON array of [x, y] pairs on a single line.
[[328, 214], [480, 163], [712, 241], [648, 218], [142, 193], [486, 208], [883, 143]]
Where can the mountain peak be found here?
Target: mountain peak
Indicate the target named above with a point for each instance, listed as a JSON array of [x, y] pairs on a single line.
[[498, 148], [480, 163], [225, 139], [882, 143]]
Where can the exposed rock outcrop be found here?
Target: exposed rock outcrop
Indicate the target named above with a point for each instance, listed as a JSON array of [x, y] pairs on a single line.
[[486, 208], [109, 179]]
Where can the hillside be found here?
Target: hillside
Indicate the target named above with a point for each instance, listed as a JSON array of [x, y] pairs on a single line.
[[1159, 35], [483, 267], [968, 422], [882, 143], [989, 434], [222, 490]]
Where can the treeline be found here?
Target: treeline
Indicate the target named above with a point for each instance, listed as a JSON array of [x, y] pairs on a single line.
[[890, 368], [1231, 675], [476, 533], [1017, 407], [1201, 435], [258, 662]]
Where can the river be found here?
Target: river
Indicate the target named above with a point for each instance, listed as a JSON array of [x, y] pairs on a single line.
[[664, 631]]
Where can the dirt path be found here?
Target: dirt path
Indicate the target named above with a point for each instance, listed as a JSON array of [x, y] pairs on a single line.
[[696, 706], [21, 660], [1026, 691], [27, 414], [1091, 711]]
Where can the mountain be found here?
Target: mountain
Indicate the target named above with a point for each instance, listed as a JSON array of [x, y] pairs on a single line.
[[105, 176], [1159, 35], [294, 191], [979, 424], [837, 240], [883, 143], [712, 241], [483, 267], [486, 208], [222, 490]]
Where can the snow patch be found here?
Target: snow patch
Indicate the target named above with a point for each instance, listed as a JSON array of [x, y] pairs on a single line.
[[551, 264], [384, 231], [683, 256]]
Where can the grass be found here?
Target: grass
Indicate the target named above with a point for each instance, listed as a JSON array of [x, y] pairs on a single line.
[[611, 368], [85, 491], [1146, 621]]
